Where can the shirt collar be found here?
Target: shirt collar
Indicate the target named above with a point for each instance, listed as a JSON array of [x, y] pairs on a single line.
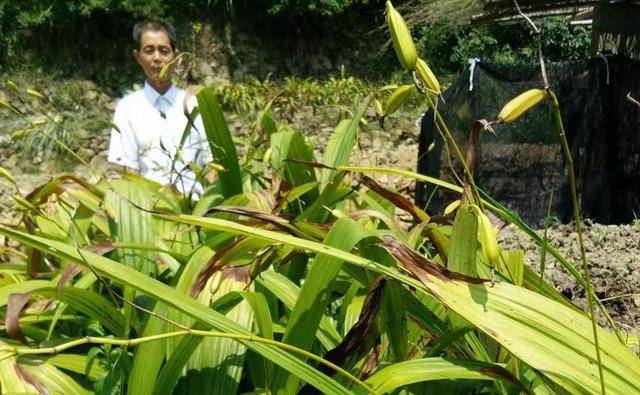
[[153, 95]]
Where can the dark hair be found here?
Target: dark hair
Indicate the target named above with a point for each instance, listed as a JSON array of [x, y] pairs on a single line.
[[154, 26]]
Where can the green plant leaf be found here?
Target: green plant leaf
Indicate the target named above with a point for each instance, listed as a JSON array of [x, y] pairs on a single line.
[[76, 363], [11, 382], [288, 293], [89, 303], [220, 142], [180, 302], [548, 336], [22, 287], [52, 378], [342, 142], [417, 370], [215, 366]]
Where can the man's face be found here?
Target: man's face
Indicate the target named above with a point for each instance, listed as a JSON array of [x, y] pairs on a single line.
[[155, 51]]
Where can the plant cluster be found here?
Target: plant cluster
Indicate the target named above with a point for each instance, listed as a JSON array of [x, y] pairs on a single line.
[[292, 95], [290, 274], [69, 112]]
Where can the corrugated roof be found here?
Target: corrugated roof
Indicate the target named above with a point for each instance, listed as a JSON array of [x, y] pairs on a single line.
[[463, 12], [505, 10]]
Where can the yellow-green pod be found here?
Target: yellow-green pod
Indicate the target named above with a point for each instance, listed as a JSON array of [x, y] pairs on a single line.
[[427, 77], [36, 94], [398, 98], [402, 40], [6, 174], [521, 104], [488, 236]]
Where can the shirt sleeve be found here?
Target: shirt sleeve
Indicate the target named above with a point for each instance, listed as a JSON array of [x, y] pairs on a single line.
[[123, 148]]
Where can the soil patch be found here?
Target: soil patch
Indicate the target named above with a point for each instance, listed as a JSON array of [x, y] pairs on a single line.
[[613, 254]]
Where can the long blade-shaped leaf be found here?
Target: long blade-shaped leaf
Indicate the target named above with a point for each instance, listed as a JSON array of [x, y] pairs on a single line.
[[314, 294], [550, 337], [180, 302], [52, 378], [130, 224], [220, 142], [417, 370], [342, 142], [288, 293], [216, 365], [89, 303]]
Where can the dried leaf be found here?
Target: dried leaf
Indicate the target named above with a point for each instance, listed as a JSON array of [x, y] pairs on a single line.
[[357, 335], [420, 266], [273, 219], [15, 305], [398, 200], [30, 379], [69, 273], [101, 248], [211, 268]]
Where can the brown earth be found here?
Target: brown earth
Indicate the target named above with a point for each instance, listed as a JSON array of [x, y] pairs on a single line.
[[613, 255]]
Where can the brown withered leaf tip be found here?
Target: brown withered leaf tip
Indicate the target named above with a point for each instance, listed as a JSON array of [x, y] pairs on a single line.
[[26, 377], [101, 248], [356, 338], [420, 266], [357, 335], [371, 363], [68, 274], [211, 268], [15, 304], [397, 200], [241, 274], [278, 221]]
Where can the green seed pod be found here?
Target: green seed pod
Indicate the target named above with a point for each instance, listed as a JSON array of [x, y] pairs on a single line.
[[427, 77], [401, 36], [18, 134], [36, 94], [10, 107], [378, 107], [12, 85], [398, 98], [518, 106], [4, 173], [488, 237]]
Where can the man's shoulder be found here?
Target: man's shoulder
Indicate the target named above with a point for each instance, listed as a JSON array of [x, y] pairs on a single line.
[[131, 98]]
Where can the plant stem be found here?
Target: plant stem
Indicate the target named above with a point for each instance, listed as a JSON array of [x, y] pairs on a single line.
[[11, 351], [545, 239], [578, 221], [456, 149]]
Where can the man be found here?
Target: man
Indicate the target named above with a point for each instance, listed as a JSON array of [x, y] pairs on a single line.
[[151, 121]]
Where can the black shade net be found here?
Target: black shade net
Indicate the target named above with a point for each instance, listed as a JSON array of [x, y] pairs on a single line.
[[523, 165]]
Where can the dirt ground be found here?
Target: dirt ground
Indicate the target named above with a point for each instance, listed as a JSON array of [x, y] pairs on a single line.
[[613, 254]]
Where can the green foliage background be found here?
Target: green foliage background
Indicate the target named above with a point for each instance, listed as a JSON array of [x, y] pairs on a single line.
[[448, 47], [88, 35]]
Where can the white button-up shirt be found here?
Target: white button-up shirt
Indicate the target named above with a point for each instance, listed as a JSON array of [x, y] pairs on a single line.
[[150, 127]]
